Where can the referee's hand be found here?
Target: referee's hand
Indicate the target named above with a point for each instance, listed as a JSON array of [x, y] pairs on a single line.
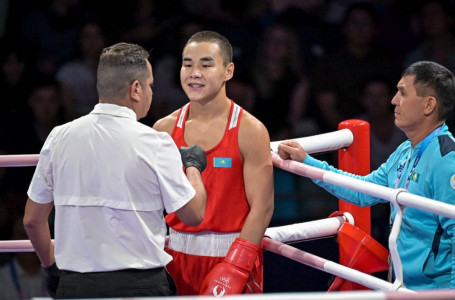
[[193, 156]]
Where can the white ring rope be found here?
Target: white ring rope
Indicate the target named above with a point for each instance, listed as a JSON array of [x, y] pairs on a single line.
[[322, 142], [289, 233], [313, 144], [329, 266], [306, 230], [379, 191], [21, 160], [16, 246]]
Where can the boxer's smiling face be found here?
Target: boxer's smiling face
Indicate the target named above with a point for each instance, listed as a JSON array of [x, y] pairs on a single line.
[[203, 73]]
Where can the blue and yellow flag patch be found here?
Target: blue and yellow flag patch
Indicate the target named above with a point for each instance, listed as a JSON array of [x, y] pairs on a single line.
[[415, 177], [222, 162]]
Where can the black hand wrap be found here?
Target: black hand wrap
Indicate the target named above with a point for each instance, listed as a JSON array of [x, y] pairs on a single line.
[[51, 278], [193, 156]]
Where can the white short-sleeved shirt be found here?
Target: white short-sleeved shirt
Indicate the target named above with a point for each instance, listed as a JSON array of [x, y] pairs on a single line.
[[110, 178]]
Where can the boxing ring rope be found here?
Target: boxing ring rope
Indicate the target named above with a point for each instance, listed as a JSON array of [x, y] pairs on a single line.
[[288, 233], [330, 267], [313, 144], [386, 193], [277, 236], [324, 142], [274, 242], [24, 160], [308, 230]]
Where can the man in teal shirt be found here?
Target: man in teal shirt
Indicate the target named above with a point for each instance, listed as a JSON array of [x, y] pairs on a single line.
[[423, 165]]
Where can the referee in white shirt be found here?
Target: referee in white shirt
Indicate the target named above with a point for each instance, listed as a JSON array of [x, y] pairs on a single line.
[[110, 178]]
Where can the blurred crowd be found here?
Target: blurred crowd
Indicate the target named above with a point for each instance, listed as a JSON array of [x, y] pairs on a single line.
[[301, 67]]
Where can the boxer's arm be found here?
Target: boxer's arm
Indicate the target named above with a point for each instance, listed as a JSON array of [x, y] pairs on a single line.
[[254, 144]]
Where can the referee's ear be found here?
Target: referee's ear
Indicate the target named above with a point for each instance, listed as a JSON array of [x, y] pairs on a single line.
[[135, 90]]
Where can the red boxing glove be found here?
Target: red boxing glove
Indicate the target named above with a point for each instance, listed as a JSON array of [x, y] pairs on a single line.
[[230, 276]]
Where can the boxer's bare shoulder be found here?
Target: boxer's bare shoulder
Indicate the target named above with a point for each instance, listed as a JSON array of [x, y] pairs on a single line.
[[166, 124]]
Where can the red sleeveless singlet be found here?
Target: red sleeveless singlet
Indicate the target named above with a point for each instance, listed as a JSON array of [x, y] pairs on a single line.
[[227, 206]]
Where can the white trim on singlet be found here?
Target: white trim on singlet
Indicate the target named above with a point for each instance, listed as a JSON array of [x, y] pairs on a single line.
[[235, 116], [205, 243], [182, 116], [232, 124]]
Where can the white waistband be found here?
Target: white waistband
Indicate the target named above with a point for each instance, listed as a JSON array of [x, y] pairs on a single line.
[[205, 243]]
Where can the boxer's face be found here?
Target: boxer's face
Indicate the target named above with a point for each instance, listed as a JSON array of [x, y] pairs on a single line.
[[203, 73]]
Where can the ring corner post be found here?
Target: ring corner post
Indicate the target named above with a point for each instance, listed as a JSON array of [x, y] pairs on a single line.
[[355, 159]]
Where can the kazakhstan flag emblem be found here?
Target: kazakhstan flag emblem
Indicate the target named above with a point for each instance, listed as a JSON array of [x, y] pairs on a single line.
[[222, 162], [415, 177]]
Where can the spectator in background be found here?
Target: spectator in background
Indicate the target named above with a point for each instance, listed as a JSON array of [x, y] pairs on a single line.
[[78, 76], [144, 25], [51, 33], [44, 111], [14, 89], [306, 18], [280, 86], [45, 104], [281, 98], [169, 95], [397, 30], [212, 11], [242, 90], [384, 135], [339, 74], [436, 22], [15, 85]]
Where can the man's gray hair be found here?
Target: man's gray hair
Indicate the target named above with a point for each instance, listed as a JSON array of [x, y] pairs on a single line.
[[119, 66]]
